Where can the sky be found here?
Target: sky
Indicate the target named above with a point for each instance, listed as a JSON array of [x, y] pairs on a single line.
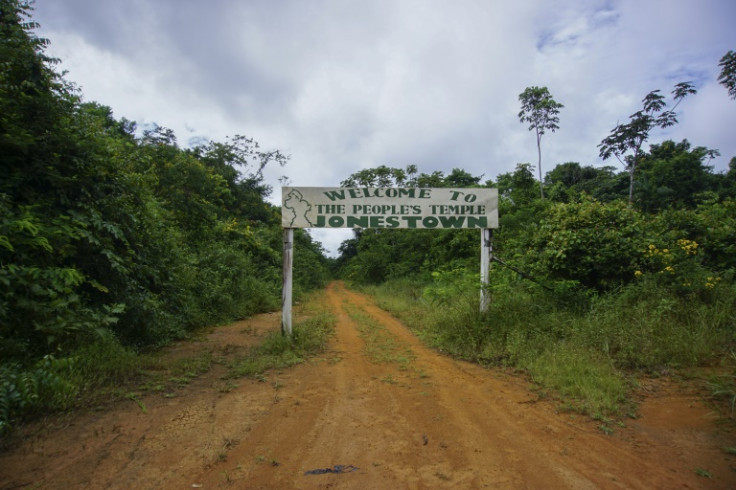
[[341, 85]]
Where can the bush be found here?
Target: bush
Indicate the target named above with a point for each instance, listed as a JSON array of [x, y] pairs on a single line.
[[26, 391]]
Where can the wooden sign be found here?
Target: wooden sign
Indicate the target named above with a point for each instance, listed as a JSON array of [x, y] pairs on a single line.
[[390, 207], [368, 207]]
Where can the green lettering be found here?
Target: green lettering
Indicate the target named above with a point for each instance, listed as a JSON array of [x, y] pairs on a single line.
[[336, 221], [411, 221], [392, 222], [430, 222], [376, 221], [332, 195], [357, 222], [452, 221], [479, 222]]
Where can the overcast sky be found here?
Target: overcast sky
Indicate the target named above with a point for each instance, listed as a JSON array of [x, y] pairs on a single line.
[[343, 85]]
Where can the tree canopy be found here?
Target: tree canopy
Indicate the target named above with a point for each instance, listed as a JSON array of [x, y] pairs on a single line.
[[540, 110], [107, 235]]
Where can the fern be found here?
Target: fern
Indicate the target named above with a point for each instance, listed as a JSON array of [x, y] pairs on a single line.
[[45, 386]]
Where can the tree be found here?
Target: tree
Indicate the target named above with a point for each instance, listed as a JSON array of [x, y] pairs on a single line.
[[674, 175], [626, 140], [382, 176], [517, 187], [540, 110], [568, 180], [727, 78], [461, 178]]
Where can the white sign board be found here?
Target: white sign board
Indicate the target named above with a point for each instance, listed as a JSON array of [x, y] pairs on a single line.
[[376, 207]]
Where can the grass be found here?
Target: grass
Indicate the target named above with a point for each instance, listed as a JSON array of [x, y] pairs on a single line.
[[586, 351], [723, 387], [309, 338], [380, 346], [105, 371]]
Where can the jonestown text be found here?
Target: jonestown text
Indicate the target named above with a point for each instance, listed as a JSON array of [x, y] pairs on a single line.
[[368, 207]]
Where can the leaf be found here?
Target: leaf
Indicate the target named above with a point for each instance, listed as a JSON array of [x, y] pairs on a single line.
[[6, 243]]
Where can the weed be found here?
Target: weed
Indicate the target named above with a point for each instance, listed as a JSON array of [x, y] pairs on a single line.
[[723, 387], [703, 473], [134, 397], [229, 443], [380, 346], [277, 351], [586, 352], [442, 476], [227, 387]]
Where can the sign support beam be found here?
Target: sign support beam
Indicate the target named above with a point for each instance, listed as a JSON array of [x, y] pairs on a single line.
[[486, 256], [286, 290]]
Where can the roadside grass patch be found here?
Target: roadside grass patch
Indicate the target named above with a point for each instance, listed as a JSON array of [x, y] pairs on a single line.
[[723, 389], [591, 384], [380, 346], [583, 349], [276, 351]]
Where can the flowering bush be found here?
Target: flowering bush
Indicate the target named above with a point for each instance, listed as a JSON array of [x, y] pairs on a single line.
[[596, 244], [678, 267]]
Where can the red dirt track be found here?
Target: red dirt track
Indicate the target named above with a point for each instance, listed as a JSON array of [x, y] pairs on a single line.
[[440, 423]]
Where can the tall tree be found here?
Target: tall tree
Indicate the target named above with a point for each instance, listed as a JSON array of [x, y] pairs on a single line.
[[674, 175], [626, 140], [540, 110], [727, 78], [382, 176]]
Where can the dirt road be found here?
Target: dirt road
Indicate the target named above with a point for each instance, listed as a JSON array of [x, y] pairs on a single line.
[[411, 419]]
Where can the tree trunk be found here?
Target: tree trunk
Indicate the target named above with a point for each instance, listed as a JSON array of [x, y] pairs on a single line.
[[631, 184], [539, 163]]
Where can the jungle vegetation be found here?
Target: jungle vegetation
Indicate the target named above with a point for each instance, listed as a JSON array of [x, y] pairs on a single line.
[[114, 240]]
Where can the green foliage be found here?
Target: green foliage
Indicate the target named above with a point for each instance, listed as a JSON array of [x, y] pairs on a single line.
[[589, 382], [596, 244], [568, 180], [626, 140], [309, 338], [540, 110], [382, 176], [673, 176], [24, 391], [727, 77], [578, 351], [723, 389], [107, 235], [646, 327], [643, 285]]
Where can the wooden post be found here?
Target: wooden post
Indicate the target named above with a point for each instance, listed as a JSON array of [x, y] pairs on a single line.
[[286, 288], [486, 252]]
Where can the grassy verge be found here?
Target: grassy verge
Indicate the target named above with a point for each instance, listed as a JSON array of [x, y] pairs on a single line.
[[104, 371], [380, 346], [585, 351], [309, 338]]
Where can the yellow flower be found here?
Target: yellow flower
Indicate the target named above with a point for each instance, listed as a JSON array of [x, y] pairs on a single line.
[[637, 274]]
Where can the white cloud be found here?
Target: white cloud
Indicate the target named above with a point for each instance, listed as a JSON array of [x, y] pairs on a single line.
[[342, 86]]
